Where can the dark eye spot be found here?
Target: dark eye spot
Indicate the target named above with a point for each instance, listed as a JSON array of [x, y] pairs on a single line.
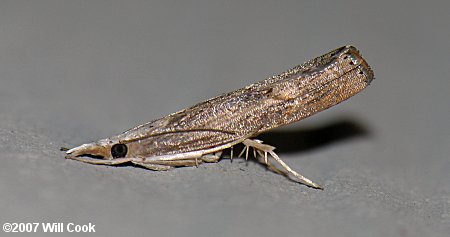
[[119, 150]]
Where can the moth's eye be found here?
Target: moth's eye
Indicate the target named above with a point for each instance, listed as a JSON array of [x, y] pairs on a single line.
[[119, 150]]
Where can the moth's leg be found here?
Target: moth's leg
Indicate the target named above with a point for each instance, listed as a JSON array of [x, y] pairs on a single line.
[[101, 162], [293, 172], [178, 163], [211, 158], [208, 158], [156, 167], [173, 163], [245, 149], [256, 144], [165, 164], [271, 167], [231, 153]]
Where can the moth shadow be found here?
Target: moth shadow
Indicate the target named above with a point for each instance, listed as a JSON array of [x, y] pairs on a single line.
[[306, 139]]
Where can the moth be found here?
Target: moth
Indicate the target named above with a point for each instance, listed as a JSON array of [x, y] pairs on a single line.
[[200, 133]]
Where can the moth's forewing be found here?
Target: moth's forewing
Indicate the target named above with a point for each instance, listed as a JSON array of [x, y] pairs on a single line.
[[291, 96], [178, 142]]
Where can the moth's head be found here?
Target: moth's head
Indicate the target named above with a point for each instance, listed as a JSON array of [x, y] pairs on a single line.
[[107, 149]]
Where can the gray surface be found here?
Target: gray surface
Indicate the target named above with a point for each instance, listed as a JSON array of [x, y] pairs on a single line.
[[76, 71]]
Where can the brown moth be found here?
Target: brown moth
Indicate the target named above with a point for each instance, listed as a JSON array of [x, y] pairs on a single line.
[[200, 133]]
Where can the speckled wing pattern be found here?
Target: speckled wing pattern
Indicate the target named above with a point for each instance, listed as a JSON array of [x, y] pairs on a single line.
[[229, 118]]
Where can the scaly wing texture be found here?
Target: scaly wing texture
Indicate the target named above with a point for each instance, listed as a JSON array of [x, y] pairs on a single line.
[[291, 96]]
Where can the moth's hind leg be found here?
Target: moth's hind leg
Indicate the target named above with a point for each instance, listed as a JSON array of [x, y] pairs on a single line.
[[264, 149]]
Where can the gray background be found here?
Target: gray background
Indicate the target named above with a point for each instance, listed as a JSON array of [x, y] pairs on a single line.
[[76, 71]]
